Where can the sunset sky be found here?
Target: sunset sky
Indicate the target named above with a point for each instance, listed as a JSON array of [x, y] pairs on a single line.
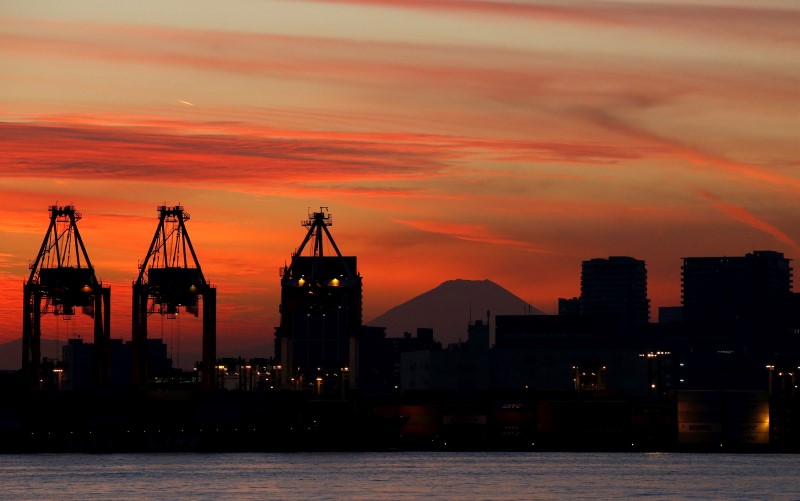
[[500, 139]]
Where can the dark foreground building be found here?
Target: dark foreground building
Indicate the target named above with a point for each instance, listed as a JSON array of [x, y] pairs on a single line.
[[315, 344], [738, 296], [616, 288]]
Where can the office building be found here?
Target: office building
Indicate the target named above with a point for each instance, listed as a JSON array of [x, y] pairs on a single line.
[[749, 294], [616, 289]]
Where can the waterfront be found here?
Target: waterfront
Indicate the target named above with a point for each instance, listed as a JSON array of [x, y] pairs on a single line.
[[399, 475]]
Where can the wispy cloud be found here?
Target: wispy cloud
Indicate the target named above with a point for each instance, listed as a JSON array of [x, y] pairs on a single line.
[[237, 154], [742, 215], [694, 155], [506, 75], [470, 233], [73, 151], [569, 13], [777, 24]]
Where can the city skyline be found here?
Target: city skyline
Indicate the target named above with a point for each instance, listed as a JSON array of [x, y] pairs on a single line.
[[475, 139]]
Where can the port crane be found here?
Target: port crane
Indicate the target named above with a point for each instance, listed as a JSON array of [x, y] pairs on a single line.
[[171, 280], [62, 280]]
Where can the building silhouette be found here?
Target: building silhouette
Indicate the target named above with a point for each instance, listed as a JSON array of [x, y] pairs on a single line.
[[316, 342], [462, 367], [746, 295], [719, 370], [379, 357], [616, 289], [77, 360], [569, 307]]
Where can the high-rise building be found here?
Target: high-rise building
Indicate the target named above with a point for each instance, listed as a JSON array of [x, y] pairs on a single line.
[[315, 343], [615, 289], [737, 295]]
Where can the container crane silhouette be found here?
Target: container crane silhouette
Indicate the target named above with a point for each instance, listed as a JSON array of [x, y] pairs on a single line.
[[62, 279], [170, 279]]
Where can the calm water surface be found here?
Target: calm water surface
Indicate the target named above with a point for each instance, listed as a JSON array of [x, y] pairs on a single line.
[[399, 475]]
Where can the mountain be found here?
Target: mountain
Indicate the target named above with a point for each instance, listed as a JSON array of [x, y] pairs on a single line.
[[447, 309]]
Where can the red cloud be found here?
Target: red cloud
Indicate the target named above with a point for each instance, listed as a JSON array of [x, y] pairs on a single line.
[[237, 155], [693, 155], [469, 233], [742, 215]]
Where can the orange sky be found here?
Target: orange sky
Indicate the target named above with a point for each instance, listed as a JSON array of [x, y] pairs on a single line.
[[475, 139]]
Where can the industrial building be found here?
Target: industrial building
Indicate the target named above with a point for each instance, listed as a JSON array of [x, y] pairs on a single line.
[[316, 342]]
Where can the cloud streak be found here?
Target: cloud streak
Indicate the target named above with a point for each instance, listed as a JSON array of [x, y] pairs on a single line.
[[470, 233], [775, 24], [76, 151], [742, 215], [209, 152], [511, 75], [691, 154]]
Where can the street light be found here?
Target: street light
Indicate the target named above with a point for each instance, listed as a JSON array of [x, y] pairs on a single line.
[[771, 369]]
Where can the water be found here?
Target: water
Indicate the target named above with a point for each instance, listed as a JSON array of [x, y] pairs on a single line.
[[399, 475]]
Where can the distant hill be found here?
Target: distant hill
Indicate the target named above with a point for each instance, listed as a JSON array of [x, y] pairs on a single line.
[[447, 309]]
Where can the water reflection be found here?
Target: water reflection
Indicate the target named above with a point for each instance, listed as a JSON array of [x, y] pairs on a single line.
[[401, 475]]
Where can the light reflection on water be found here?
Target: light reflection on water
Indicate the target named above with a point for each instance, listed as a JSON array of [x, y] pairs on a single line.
[[399, 475]]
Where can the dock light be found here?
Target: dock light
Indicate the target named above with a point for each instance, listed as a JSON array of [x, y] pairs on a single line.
[[192, 288], [86, 288], [335, 282], [301, 281]]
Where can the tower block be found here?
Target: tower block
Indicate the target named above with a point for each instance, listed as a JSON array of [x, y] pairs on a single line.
[[62, 279], [170, 280], [316, 341]]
